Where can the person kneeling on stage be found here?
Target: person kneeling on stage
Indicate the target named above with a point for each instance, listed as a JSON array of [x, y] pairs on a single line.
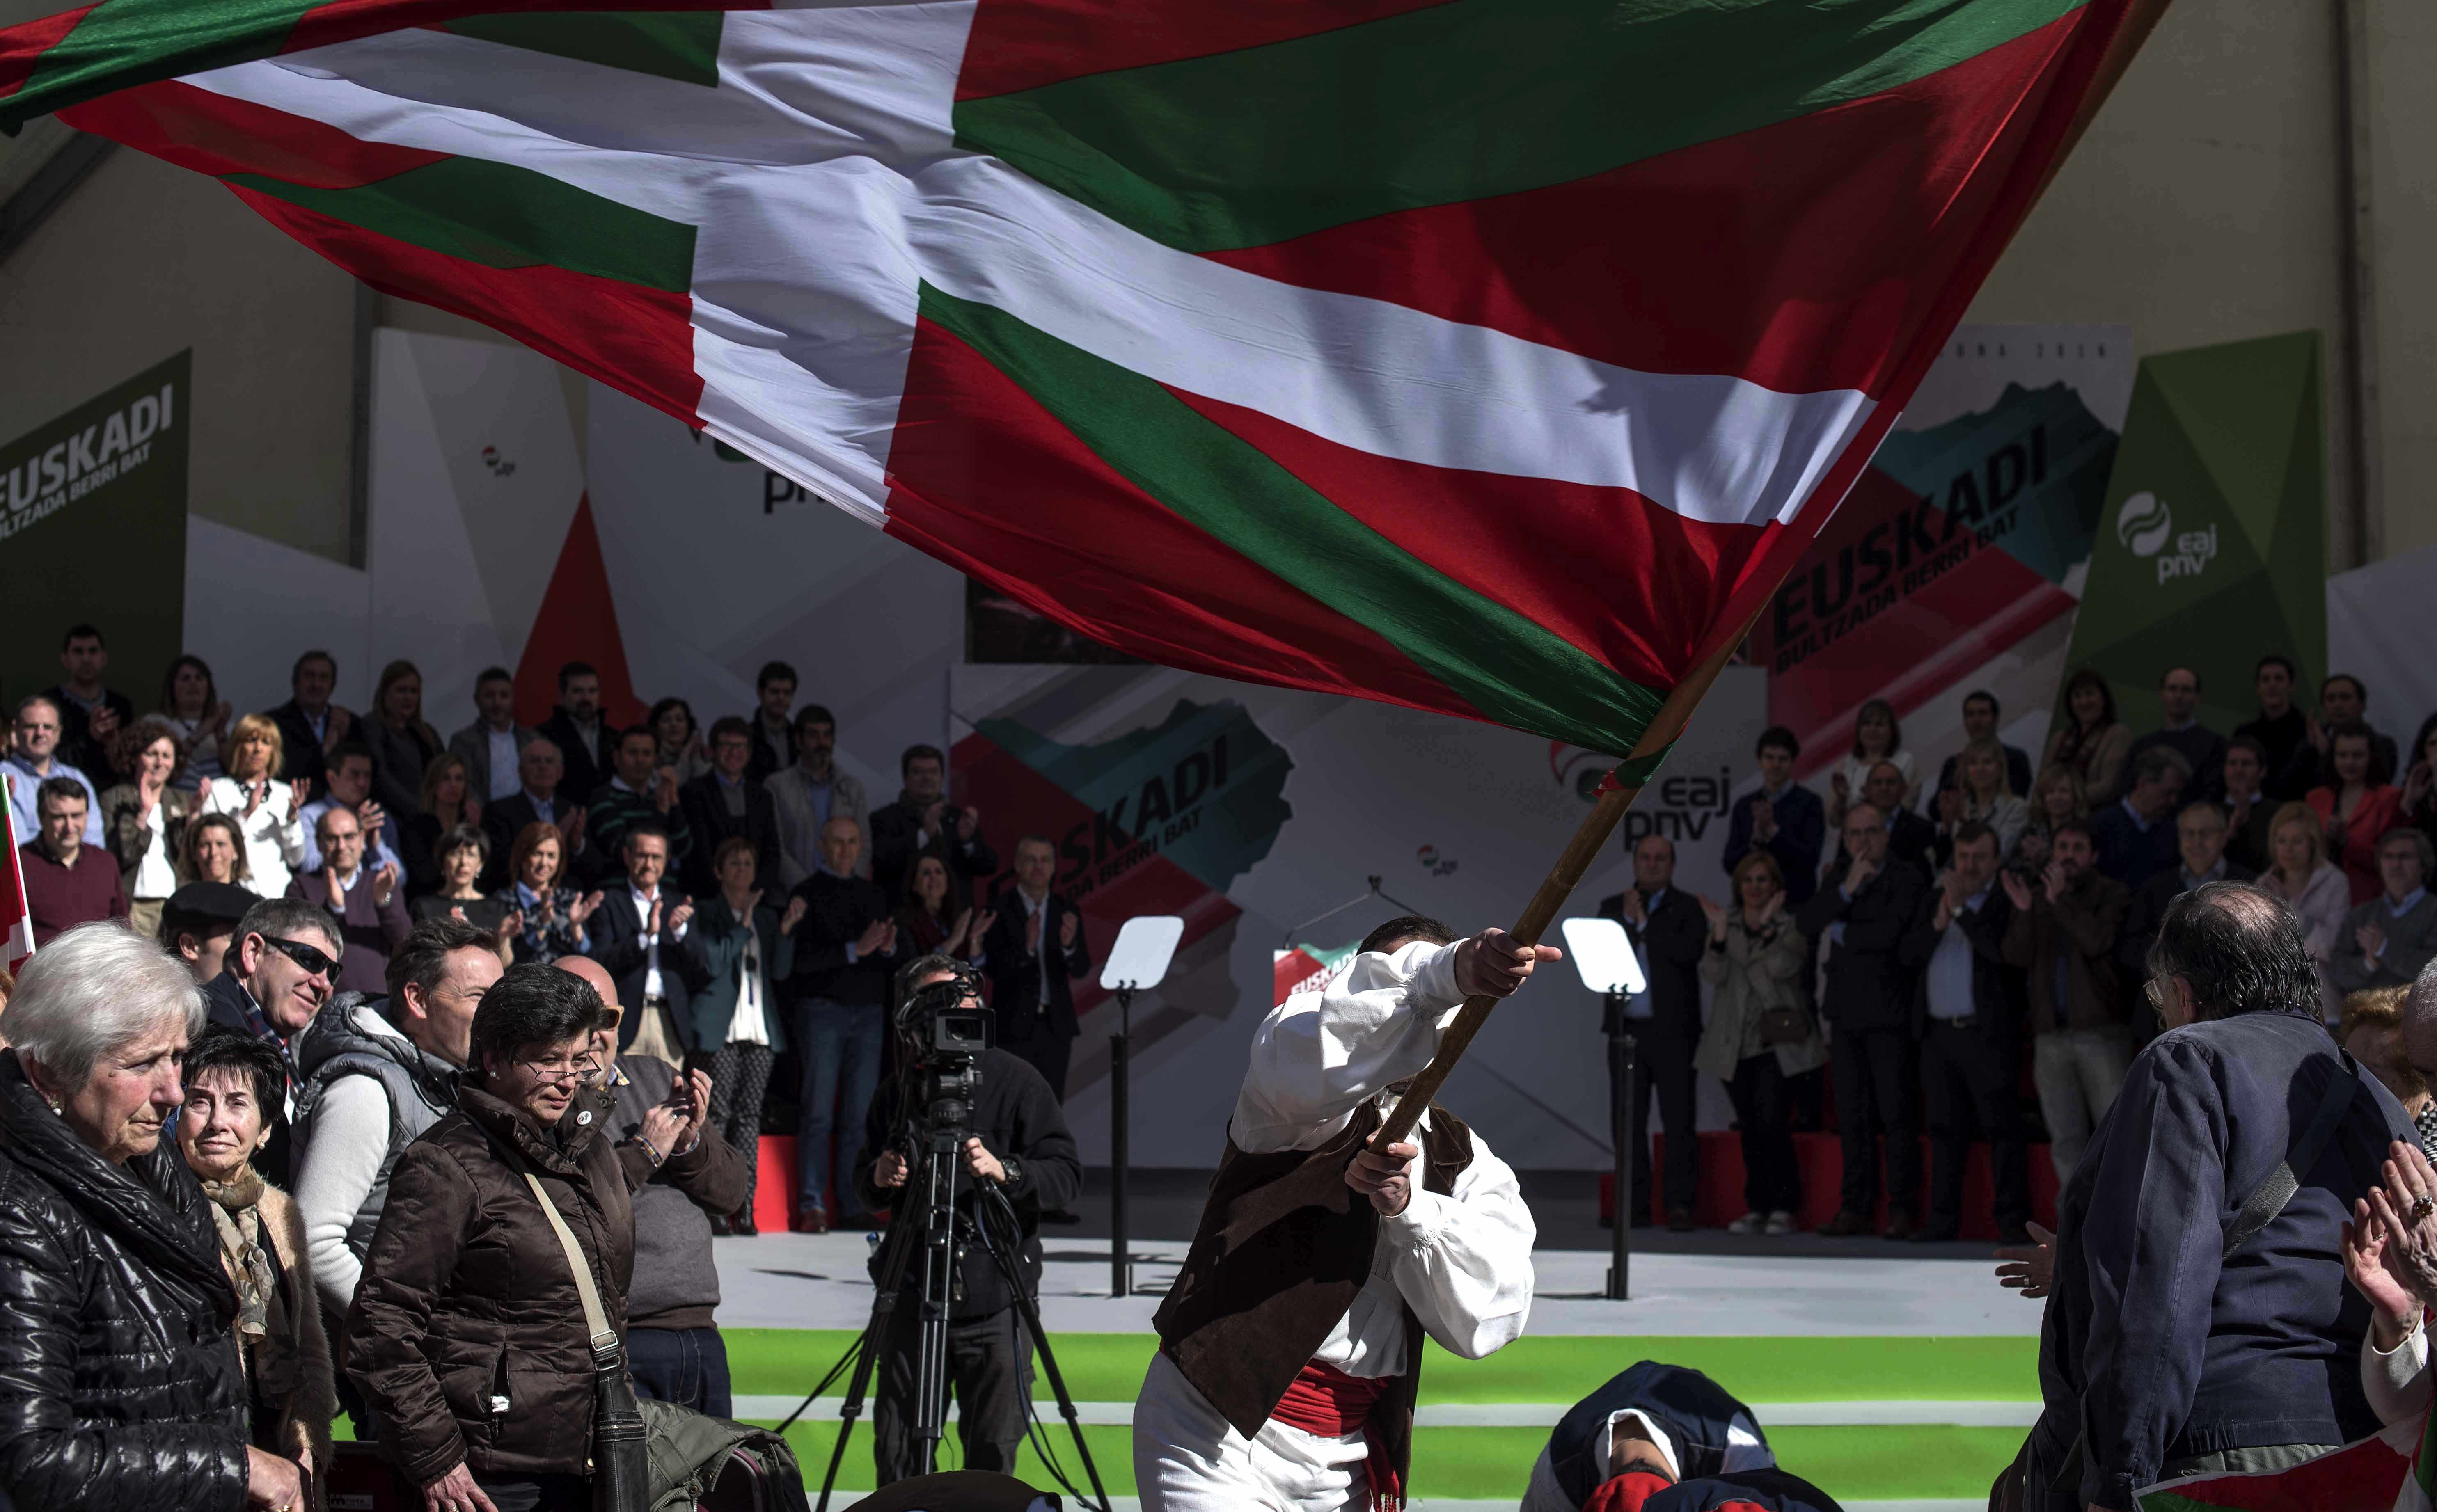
[[1664, 1438], [1019, 1143], [1291, 1345]]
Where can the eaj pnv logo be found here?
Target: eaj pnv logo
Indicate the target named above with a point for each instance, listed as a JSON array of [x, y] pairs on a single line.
[[2144, 526]]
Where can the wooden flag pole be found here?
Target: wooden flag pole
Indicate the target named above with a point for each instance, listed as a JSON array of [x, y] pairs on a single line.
[[1614, 799]]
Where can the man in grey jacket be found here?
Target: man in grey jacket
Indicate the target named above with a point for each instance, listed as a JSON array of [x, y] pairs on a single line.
[[2386, 941], [673, 1348], [493, 744], [373, 1074]]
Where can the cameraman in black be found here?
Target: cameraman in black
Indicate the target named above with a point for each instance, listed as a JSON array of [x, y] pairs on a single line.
[[1020, 1144]]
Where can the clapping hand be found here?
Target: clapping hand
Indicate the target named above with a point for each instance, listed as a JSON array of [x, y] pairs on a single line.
[[2370, 939], [1764, 821], [298, 792], [969, 821], [372, 816], [1717, 917], [581, 909], [384, 884], [1067, 928], [933, 816], [681, 915], [2406, 1207], [875, 939], [1636, 911], [334, 729], [2057, 881], [103, 723], [2017, 891], [665, 789], [795, 915], [2379, 1280]]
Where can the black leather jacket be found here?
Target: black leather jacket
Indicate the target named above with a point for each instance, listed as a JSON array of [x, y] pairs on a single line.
[[119, 1380]]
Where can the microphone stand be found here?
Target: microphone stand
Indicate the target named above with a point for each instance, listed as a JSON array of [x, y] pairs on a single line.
[[1288, 942], [1120, 1268], [1621, 1069]]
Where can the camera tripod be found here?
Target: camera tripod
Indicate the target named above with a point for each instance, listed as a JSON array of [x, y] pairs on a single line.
[[939, 1238]]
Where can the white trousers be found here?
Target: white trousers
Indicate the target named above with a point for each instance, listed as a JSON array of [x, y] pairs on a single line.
[[1189, 1459]]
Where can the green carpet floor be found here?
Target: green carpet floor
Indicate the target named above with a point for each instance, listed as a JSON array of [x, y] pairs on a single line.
[[1860, 1464]]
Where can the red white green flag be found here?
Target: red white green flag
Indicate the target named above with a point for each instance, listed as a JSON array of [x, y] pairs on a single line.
[[1493, 356], [2387, 1472]]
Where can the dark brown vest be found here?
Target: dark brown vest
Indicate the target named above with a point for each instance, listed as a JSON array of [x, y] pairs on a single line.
[[1284, 1245]]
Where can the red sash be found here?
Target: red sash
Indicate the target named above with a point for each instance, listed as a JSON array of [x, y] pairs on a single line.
[[1326, 1402]]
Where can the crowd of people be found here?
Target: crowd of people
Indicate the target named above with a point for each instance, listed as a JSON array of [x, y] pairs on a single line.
[[750, 902], [1930, 944], [240, 1197]]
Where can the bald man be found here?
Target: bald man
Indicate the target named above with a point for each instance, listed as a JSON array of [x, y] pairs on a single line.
[[846, 950], [673, 1346], [1669, 930]]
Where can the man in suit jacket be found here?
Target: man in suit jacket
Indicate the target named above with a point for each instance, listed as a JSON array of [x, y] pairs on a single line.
[[364, 901], [2387, 940], [1969, 1013], [1910, 838], [1980, 722], [1863, 916], [586, 740], [639, 935], [1669, 928], [2200, 837], [922, 823], [1783, 818], [309, 724], [491, 746], [726, 803], [536, 801], [2135, 843], [811, 793], [1035, 950]]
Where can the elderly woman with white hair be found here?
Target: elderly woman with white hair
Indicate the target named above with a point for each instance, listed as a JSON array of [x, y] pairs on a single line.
[[120, 1385]]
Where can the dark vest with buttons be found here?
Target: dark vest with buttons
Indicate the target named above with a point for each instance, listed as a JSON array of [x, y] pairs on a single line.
[[1283, 1248]]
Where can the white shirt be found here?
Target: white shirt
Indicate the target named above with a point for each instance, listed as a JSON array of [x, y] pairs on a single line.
[[751, 1024], [274, 836], [1462, 1262], [506, 778], [642, 902], [1041, 956], [155, 875], [1639, 1006]]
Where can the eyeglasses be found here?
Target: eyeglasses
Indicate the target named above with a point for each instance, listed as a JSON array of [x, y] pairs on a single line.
[[312, 962], [562, 1068]]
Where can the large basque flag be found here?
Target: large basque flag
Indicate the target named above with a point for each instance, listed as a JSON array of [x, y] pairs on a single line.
[[1494, 356]]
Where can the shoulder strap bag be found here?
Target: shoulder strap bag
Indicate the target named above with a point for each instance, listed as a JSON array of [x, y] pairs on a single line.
[[620, 1460]]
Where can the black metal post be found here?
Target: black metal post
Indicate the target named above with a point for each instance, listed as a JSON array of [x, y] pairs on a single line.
[[1621, 1070], [1119, 1043]]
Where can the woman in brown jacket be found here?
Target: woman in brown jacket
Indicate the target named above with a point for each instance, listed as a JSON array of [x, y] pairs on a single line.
[[466, 1336], [234, 1084]]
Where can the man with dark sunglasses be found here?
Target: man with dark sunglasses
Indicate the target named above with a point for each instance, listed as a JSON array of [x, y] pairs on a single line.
[[281, 967]]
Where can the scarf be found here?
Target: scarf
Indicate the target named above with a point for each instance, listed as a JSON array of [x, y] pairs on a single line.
[[263, 1334]]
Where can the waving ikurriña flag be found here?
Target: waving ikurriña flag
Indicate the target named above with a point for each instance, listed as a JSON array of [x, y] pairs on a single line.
[[1493, 356]]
